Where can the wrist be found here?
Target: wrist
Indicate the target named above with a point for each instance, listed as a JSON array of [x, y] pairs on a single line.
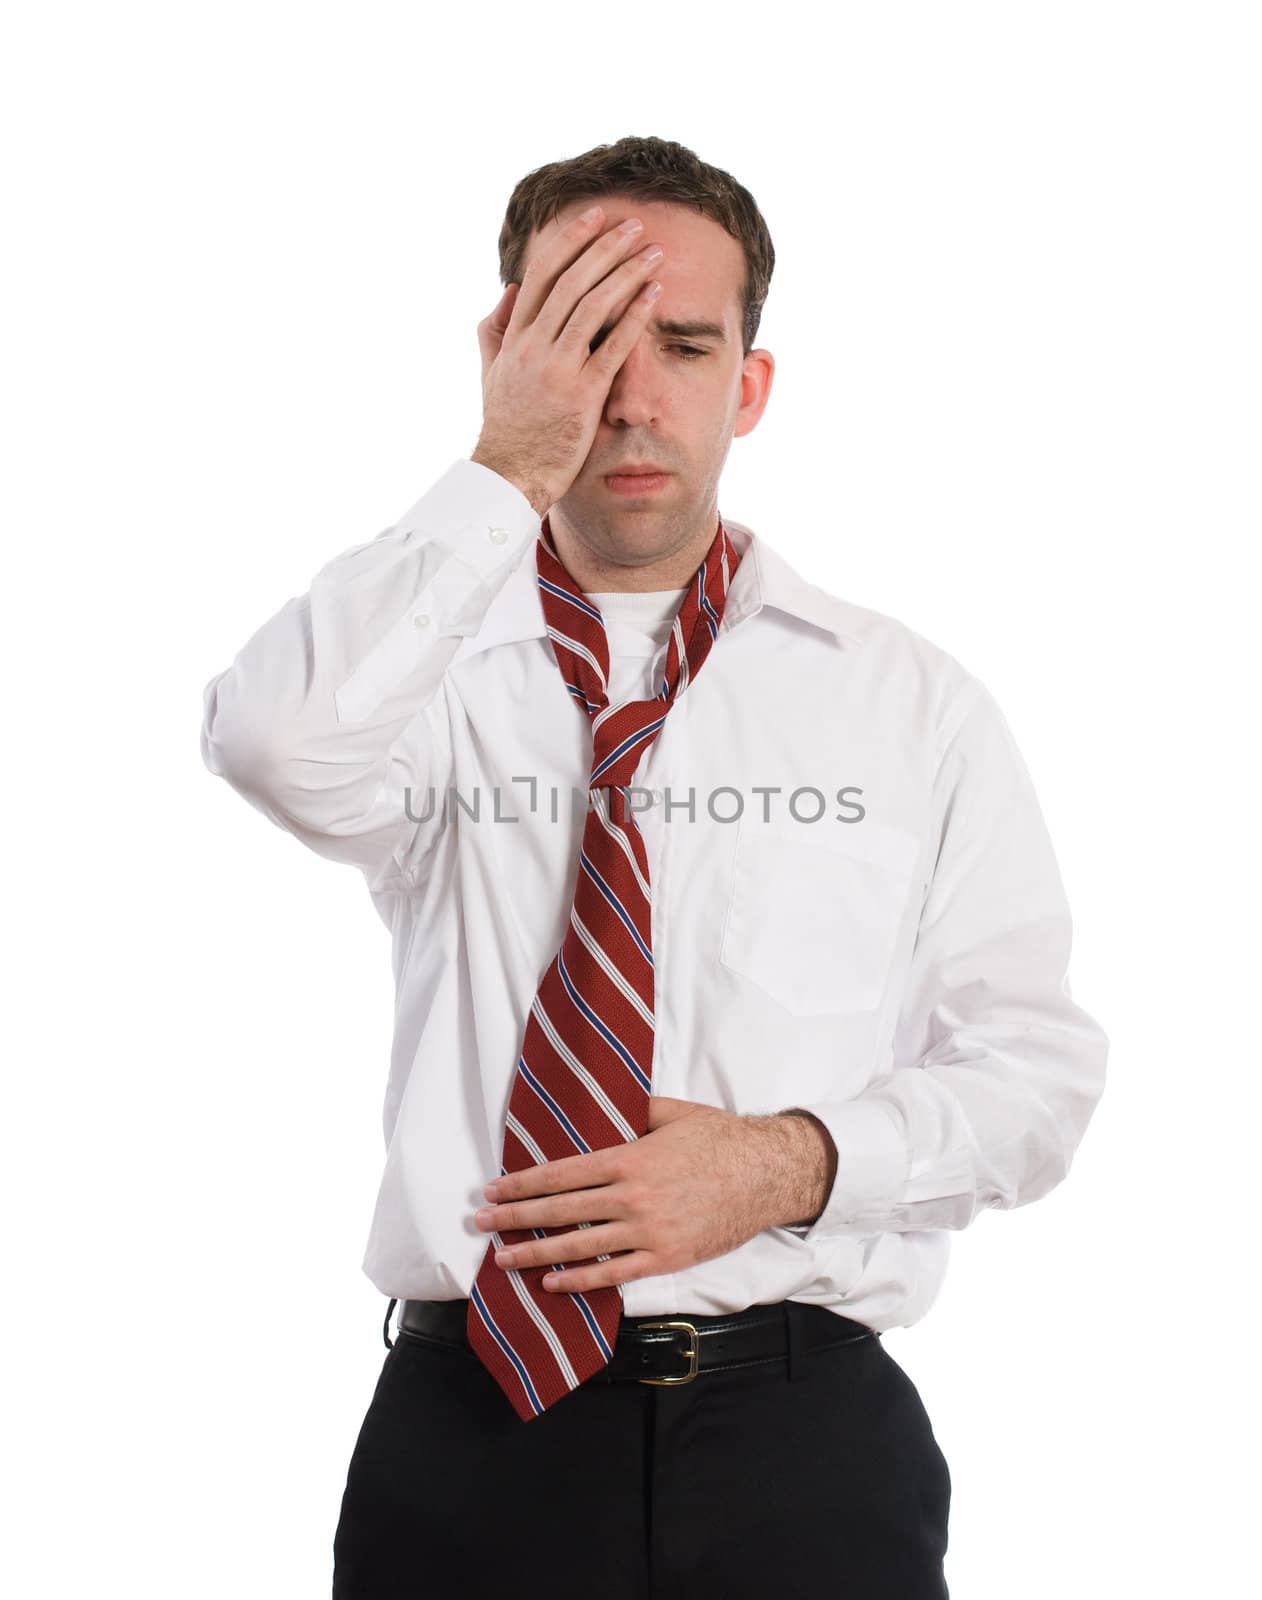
[[816, 1164], [538, 496]]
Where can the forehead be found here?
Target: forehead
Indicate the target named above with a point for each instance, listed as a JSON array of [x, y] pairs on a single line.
[[703, 267]]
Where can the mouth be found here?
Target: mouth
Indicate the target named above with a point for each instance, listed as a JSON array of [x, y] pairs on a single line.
[[636, 481]]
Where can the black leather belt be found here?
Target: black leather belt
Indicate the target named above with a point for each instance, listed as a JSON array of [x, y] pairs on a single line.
[[668, 1350]]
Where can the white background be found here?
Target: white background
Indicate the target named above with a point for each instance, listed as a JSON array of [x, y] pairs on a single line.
[[1016, 321]]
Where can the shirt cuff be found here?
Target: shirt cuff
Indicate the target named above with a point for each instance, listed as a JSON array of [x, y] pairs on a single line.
[[476, 515]]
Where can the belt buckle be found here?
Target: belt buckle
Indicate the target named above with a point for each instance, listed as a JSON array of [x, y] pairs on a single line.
[[694, 1349]]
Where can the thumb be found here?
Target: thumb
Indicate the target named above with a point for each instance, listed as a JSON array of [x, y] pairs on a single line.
[[504, 311], [664, 1109], [492, 328]]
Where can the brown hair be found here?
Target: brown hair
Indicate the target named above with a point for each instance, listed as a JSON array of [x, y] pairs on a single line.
[[644, 169]]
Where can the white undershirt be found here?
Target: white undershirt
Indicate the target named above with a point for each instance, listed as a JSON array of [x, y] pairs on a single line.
[[651, 614]]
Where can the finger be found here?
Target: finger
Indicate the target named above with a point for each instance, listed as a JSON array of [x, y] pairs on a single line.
[[618, 1269], [566, 1173], [616, 346], [594, 285], [556, 1211], [564, 273], [599, 311], [583, 1244], [550, 262]]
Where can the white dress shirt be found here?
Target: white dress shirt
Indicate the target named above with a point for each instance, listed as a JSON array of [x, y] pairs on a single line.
[[896, 967]]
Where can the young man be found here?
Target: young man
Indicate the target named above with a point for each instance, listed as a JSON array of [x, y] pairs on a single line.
[[729, 942]]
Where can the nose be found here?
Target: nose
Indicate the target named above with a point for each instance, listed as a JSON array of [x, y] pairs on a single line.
[[633, 399]]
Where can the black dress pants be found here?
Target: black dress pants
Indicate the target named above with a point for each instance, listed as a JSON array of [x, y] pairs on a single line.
[[816, 1475]]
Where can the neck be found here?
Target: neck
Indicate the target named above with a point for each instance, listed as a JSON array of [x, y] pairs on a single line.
[[597, 572]]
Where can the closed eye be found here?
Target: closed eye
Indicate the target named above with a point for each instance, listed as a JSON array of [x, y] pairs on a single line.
[[688, 352]]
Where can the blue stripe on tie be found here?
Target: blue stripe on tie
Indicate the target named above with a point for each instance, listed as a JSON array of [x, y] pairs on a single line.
[[629, 743], [711, 615], [580, 695], [614, 901], [609, 1038], [576, 1295], [570, 599], [507, 1348], [555, 1109], [601, 1342]]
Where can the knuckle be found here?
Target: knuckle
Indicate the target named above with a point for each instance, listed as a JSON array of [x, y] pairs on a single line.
[[566, 280], [633, 1195]]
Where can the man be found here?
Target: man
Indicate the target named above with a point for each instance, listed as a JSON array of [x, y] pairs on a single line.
[[729, 942]]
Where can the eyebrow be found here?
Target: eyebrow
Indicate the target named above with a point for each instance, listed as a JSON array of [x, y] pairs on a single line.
[[698, 328]]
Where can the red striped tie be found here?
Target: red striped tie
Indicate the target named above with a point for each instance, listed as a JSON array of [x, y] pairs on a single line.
[[584, 1074]]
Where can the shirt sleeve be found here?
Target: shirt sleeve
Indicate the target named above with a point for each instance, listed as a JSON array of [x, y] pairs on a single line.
[[996, 1071], [308, 722]]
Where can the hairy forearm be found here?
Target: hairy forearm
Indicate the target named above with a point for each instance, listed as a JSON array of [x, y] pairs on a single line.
[[800, 1165]]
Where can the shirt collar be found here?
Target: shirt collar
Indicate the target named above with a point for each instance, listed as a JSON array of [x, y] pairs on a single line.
[[762, 578]]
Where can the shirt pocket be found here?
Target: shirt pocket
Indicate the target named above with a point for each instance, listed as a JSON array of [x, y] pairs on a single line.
[[815, 910]]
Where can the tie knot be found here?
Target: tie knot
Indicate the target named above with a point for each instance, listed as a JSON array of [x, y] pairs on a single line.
[[620, 739]]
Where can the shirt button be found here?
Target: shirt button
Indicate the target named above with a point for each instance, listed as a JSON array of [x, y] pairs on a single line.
[[421, 620], [498, 535], [657, 795]]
